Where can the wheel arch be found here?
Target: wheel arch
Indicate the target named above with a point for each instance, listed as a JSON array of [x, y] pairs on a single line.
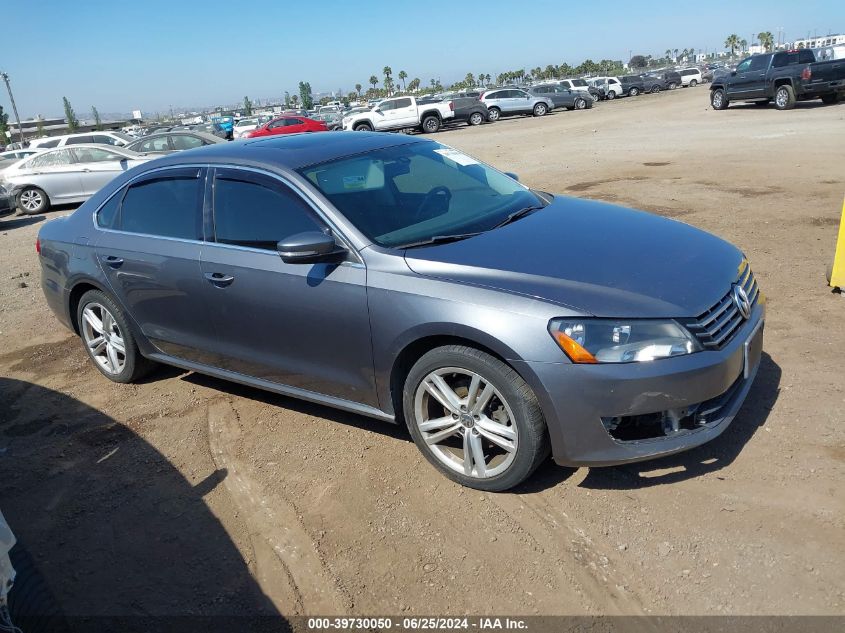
[[432, 112], [412, 349], [783, 81], [78, 289]]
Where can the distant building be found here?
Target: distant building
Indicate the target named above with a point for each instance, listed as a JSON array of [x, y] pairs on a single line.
[[34, 128], [818, 42]]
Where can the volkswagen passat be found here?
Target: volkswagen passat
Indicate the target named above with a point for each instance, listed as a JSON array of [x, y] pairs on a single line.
[[404, 280]]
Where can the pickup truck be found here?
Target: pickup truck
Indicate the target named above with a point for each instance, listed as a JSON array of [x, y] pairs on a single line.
[[783, 77], [400, 113]]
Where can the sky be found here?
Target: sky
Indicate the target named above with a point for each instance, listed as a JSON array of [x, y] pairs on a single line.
[[150, 55]]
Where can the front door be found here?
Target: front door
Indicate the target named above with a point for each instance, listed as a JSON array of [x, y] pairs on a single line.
[[302, 325], [98, 166], [150, 257], [56, 172]]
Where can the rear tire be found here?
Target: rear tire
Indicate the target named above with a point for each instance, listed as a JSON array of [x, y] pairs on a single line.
[[363, 127], [655, 90], [107, 337], [540, 109], [672, 85], [610, 95], [693, 83], [476, 118], [32, 200], [633, 92], [718, 99], [494, 114], [511, 416], [430, 124], [830, 99], [580, 104], [784, 97]]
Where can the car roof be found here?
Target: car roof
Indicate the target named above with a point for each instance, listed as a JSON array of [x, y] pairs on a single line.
[[292, 151]]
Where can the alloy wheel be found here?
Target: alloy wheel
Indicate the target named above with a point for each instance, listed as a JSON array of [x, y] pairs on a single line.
[[717, 99], [103, 338], [781, 97], [31, 200], [466, 422]]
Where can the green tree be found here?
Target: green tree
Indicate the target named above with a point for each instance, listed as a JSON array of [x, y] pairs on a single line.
[[743, 45], [767, 40], [70, 116], [294, 100], [469, 80], [732, 42], [287, 99], [388, 79], [305, 95], [668, 53], [415, 84], [358, 88], [373, 82], [639, 61], [247, 106], [98, 125], [4, 127], [402, 77]]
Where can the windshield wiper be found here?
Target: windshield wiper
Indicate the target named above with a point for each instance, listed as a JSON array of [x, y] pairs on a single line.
[[521, 213], [438, 239]]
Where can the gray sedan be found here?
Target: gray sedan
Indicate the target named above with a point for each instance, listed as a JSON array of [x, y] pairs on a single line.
[[402, 279], [174, 141], [64, 175]]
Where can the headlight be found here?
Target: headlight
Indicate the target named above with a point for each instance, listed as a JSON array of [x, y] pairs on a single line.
[[621, 341]]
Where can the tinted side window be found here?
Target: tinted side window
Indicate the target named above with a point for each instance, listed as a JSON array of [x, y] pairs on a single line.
[[402, 103], [759, 63], [76, 140], [157, 144], [166, 207], [494, 95], [806, 56], [258, 212], [107, 214], [783, 59], [186, 142], [104, 140], [53, 143], [386, 105]]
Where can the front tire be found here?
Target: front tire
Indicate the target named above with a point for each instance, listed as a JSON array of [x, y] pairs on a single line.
[[363, 127], [540, 109], [655, 90], [718, 99], [109, 340], [474, 418], [633, 92], [494, 114], [672, 85], [580, 104], [785, 97], [610, 95], [476, 118], [32, 200], [693, 83]]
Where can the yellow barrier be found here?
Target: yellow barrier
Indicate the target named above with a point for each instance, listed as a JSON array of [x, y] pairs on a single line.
[[837, 273]]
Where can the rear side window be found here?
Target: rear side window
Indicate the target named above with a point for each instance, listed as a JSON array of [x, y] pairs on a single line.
[[51, 159], [170, 206], [53, 143], [107, 214], [403, 103], [257, 212], [494, 95], [806, 56], [103, 139], [186, 142], [157, 144], [759, 63]]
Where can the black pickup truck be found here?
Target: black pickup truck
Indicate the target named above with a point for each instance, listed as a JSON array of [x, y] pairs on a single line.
[[783, 77]]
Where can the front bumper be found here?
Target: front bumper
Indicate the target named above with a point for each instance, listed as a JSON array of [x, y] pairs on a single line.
[[575, 398]]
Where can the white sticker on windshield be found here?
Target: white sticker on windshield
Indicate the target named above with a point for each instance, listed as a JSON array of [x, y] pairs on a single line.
[[354, 182], [456, 156]]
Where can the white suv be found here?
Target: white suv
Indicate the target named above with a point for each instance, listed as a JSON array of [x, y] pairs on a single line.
[[690, 77], [611, 85], [118, 139]]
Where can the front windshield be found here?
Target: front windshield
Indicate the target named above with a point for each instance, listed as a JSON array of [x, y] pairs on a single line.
[[410, 193]]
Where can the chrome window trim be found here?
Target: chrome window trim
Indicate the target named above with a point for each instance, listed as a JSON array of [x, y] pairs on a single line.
[[285, 181]]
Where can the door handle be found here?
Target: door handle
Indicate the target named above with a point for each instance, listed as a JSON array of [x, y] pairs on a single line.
[[114, 262], [219, 279], [86, 170]]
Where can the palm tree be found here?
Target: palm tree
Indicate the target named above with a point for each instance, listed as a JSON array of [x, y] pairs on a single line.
[[402, 76], [668, 53], [374, 81], [469, 80], [767, 40], [676, 54], [358, 88], [732, 42], [743, 45]]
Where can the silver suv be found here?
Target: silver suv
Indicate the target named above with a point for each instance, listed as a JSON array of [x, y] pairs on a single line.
[[506, 101]]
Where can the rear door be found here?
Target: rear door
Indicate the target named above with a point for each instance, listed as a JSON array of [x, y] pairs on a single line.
[[56, 172], [98, 166], [302, 325], [406, 112], [148, 247]]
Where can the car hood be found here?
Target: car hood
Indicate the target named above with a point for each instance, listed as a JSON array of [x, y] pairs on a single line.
[[595, 258]]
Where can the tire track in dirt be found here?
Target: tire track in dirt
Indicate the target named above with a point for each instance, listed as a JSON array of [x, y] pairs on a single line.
[[288, 565]]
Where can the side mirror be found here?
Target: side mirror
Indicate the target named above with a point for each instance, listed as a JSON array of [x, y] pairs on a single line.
[[308, 248], [512, 175]]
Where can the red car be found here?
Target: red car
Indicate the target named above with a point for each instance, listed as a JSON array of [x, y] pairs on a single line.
[[288, 124]]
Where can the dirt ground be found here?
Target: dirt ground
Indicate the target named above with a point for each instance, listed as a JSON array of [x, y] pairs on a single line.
[[187, 494]]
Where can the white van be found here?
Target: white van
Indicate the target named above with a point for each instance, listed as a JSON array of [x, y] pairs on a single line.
[[118, 139], [690, 77]]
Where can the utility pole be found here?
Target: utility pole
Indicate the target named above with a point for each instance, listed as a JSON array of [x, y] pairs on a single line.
[[5, 77]]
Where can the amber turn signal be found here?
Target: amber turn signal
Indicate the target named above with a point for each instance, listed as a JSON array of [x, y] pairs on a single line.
[[576, 353]]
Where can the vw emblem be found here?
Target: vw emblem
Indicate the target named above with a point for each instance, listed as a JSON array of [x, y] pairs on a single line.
[[741, 300]]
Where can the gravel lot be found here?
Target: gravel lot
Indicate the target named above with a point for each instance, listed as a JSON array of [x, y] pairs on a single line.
[[190, 495]]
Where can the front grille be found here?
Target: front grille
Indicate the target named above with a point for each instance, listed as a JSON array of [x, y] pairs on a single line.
[[716, 327]]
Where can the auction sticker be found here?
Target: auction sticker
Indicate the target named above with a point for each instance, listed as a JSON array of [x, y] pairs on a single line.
[[456, 156]]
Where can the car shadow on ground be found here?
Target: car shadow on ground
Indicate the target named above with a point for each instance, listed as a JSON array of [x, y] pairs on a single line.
[[710, 457], [18, 221], [118, 536]]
